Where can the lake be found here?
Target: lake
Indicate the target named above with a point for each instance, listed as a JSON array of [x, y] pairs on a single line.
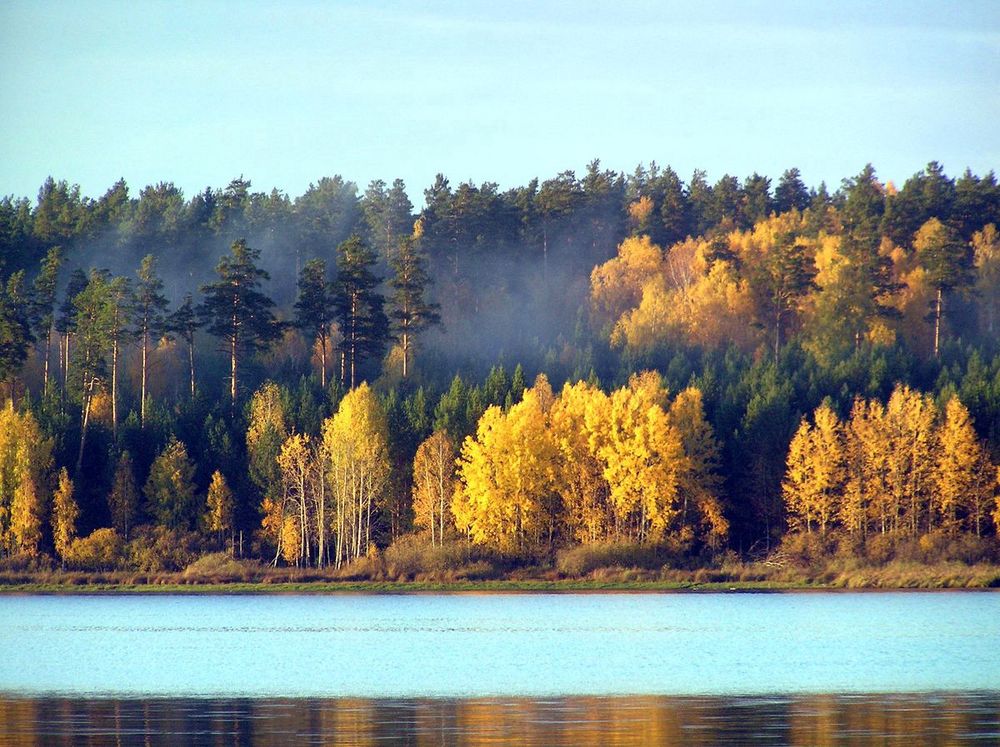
[[541, 668]]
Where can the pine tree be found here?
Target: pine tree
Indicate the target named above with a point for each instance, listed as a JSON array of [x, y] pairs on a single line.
[[121, 299], [779, 284], [123, 501], [65, 323], [237, 311], [363, 324], [948, 263], [15, 328], [186, 321], [410, 312], [149, 318], [314, 311], [95, 326], [43, 301]]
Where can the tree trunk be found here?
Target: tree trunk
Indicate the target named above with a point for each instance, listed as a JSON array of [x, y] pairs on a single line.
[[321, 518], [937, 322], [114, 388], [85, 419], [777, 335], [354, 337], [322, 357], [191, 362], [65, 370], [232, 370], [406, 351], [48, 348], [142, 384]]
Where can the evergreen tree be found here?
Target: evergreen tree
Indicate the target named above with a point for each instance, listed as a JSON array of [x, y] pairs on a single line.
[[410, 311], [185, 321], [237, 311], [66, 322], [948, 263], [779, 284], [43, 301], [15, 328], [314, 312], [149, 318], [95, 326], [791, 192], [364, 326], [122, 301], [123, 501]]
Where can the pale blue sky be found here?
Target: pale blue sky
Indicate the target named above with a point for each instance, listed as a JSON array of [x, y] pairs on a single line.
[[200, 92]]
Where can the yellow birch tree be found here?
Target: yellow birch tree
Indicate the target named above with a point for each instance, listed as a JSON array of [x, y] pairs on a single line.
[[434, 484]]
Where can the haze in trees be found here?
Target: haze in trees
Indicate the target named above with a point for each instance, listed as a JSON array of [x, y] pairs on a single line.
[[682, 331]]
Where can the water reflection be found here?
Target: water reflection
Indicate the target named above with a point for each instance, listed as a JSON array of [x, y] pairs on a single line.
[[798, 720]]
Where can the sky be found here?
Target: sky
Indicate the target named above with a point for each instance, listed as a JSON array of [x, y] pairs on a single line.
[[198, 93]]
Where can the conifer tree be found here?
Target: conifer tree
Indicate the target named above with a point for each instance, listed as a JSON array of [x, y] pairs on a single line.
[[43, 301], [95, 327], [948, 263], [123, 501], [65, 323], [411, 313], [121, 300], [186, 321], [364, 326], [314, 311], [15, 328], [236, 309], [149, 317]]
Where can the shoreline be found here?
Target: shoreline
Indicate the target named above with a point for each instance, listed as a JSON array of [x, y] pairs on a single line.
[[570, 586]]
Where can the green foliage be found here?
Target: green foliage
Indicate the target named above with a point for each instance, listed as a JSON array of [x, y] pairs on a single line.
[[236, 310], [358, 305], [509, 269], [101, 550], [170, 491]]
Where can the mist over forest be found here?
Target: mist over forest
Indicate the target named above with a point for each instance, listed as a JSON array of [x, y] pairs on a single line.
[[762, 307]]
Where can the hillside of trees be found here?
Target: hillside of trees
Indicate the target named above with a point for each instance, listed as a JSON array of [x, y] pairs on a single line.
[[631, 364]]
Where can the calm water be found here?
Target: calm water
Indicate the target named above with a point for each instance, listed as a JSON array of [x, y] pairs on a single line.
[[547, 669]]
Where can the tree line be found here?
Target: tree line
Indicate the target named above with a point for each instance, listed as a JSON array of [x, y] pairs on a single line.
[[359, 324]]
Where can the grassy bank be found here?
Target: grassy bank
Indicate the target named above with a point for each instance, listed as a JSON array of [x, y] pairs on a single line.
[[745, 577], [411, 565]]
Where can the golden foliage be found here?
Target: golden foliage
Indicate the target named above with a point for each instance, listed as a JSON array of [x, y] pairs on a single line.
[[506, 475], [65, 513], [25, 461], [219, 517], [356, 462], [434, 485], [616, 286], [816, 473], [891, 469]]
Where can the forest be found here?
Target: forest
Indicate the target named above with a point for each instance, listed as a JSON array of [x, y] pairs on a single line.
[[586, 371]]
